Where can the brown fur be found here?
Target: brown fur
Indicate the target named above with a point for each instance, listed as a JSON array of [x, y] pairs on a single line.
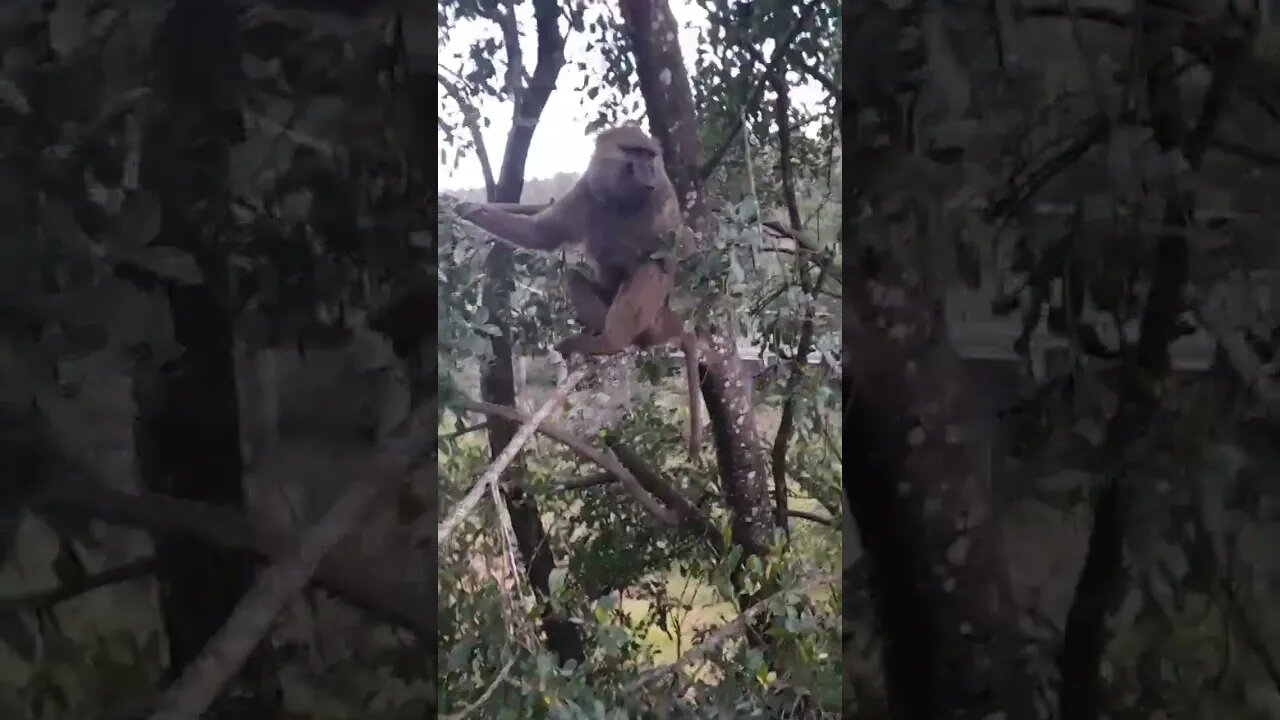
[[621, 209]]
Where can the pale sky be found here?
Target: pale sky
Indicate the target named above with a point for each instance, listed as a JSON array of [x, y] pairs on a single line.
[[560, 144]]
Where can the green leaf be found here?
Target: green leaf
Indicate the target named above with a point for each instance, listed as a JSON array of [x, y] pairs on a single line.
[[458, 656], [12, 95], [734, 556], [18, 634], [57, 221], [1004, 304], [140, 220], [67, 565], [557, 580], [67, 26], [125, 313], [169, 263]]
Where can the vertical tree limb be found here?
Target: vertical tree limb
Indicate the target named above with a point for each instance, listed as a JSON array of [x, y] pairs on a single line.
[[1101, 578]]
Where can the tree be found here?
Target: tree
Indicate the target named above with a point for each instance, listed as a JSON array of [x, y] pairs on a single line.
[[1079, 207], [170, 205], [669, 524]]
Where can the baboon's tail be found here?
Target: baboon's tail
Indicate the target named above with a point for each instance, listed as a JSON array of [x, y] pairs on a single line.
[[691, 373]]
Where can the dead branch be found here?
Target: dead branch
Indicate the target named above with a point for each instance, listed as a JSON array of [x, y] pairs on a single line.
[[813, 517], [378, 590], [500, 463], [226, 652], [586, 452], [801, 237], [484, 697], [464, 431]]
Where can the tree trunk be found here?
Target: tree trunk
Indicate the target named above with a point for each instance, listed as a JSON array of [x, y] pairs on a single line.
[[914, 482], [922, 510], [668, 99], [188, 434], [497, 380], [1100, 585]]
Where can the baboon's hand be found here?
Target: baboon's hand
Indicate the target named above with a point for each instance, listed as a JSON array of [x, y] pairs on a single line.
[[570, 347]]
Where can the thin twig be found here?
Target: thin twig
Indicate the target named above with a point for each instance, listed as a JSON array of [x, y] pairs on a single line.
[[464, 431], [814, 517], [49, 598], [375, 588], [464, 712], [816, 73]]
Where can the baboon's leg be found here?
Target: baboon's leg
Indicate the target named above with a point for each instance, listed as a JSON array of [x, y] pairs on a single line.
[[670, 328], [637, 306], [590, 303], [632, 318], [591, 308], [666, 328]]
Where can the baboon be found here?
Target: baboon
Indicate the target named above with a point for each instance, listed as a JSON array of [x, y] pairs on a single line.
[[623, 209]]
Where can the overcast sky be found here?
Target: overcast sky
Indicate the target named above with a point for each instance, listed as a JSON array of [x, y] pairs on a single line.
[[560, 143]]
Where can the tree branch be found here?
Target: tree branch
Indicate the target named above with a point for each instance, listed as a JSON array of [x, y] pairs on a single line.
[[48, 598], [1099, 584], [601, 478], [1245, 152], [504, 16], [689, 513], [735, 625], [814, 517], [500, 463], [471, 117], [779, 52], [379, 591], [585, 451], [1095, 131], [225, 653], [528, 102], [801, 237], [464, 431], [1250, 634], [816, 73]]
